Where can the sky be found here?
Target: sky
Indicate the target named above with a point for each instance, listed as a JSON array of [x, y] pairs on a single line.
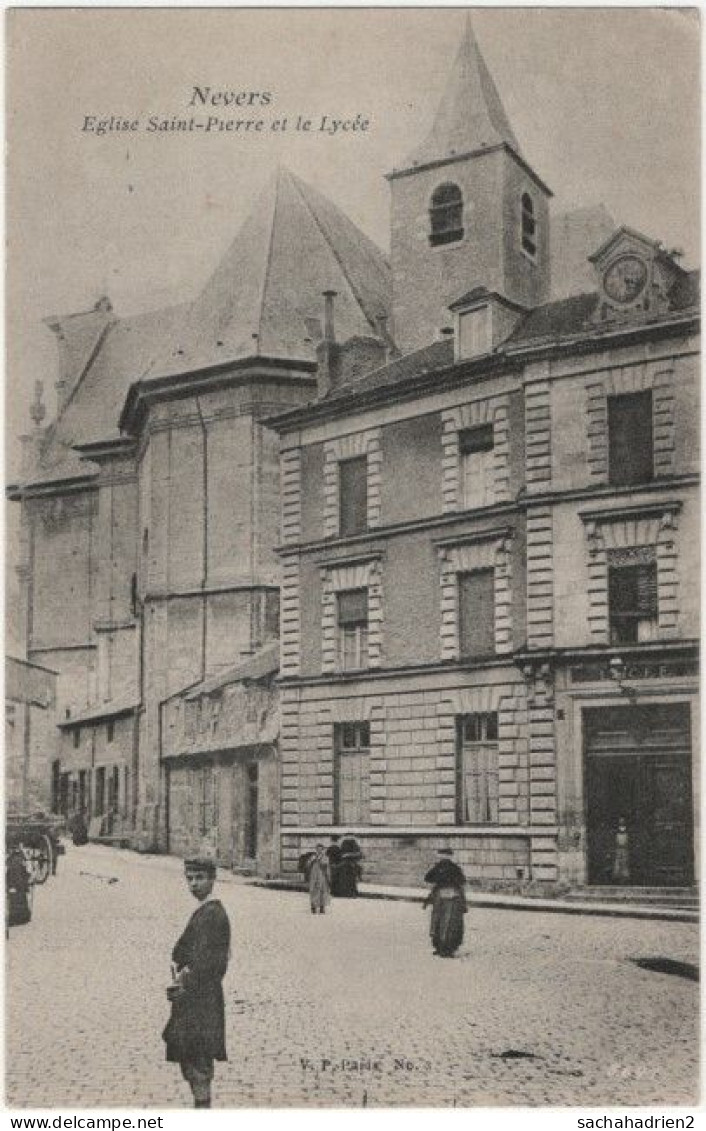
[[604, 102]]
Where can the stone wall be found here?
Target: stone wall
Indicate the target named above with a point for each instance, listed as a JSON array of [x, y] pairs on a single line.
[[413, 768]]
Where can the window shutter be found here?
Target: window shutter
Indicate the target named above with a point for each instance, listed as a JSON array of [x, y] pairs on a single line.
[[621, 590], [446, 214], [647, 590], [630, 455], [353, 495], [476, 607]]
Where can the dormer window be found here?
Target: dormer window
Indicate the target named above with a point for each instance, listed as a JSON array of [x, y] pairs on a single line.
[[474, 337], [446, 215], [529, 226]]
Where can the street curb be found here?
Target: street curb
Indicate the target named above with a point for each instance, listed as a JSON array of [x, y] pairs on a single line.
[[519, 903], [474, 899]]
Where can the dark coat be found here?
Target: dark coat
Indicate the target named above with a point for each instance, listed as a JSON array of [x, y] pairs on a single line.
[[448, 900], [333, 853], [445, 872], [196, 1027], [17, 908]]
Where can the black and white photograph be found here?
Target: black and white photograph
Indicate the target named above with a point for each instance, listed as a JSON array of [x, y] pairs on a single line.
[[352, 520]]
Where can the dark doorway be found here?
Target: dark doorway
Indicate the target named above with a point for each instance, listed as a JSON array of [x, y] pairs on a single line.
[[64, 795], [56, 786], [100, 791], [638, 768], [251, 811]]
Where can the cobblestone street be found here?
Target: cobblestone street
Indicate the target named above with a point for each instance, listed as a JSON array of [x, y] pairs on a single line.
[[86, 1001]]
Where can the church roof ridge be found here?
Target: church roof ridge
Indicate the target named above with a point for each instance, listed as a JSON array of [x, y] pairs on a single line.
[[293, 244]]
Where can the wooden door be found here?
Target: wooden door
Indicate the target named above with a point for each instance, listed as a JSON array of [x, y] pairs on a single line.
[[638, 767], [667, 785]]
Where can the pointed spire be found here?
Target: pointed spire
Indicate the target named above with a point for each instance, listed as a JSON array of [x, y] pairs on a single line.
[[471, 114]]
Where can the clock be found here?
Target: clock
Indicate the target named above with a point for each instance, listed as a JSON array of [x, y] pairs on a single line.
[[625, 279]]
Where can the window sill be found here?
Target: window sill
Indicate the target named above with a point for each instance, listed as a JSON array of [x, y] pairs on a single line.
[[446, 238]]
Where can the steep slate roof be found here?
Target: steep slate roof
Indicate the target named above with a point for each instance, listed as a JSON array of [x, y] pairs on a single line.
[[553, 321], [436, 356], [470, 115], [92, 411], [294, 245], [125, 706], [264, 663], [265, 296]]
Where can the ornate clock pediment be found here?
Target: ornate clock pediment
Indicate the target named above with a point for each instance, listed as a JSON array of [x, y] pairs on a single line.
[[634, 276]]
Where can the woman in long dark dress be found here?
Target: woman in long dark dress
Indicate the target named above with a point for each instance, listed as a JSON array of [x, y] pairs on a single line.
[[349, 869], [18, 909], [333, 853], [448, 903]]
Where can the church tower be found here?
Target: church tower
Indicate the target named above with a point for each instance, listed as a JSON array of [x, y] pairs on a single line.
[[467, 210]]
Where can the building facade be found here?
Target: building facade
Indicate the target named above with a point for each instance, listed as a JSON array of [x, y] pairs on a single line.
[[490, 604], [30, 736], [150, 515], [456, 492]]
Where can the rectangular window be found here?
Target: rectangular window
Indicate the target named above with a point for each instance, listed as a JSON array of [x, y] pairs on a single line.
[[353, 629], [477, 769], [632, 595], [110, 731], [77, 736], [476, 613], [353, 495], [205, 789], [352, 774], [113, 789], [475, 447], [630, 444]]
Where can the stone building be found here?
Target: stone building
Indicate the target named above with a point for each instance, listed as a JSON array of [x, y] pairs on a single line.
[[484, 456], [149, 518], [489, 544], [30, 736]]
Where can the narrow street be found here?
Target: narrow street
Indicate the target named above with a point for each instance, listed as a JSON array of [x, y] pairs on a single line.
[[344, 1009]]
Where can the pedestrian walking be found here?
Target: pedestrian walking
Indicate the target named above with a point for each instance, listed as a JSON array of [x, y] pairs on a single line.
[[78, 826], [333, 852], [448, 904], [621, 862], [18, 908], [319, 881], [349, 869], [195, 1032]]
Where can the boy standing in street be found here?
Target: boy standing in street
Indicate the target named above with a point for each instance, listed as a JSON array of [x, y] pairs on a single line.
[[195, 1032]]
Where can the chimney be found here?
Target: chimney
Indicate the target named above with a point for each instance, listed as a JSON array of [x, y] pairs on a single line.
[[327, 351], [329, 328], [391, 350]]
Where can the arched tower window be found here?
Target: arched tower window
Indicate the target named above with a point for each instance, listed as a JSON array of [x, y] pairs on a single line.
[[529, 226], [446, 215]]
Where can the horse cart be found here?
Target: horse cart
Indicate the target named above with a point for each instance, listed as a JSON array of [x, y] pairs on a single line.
[[32, 848]]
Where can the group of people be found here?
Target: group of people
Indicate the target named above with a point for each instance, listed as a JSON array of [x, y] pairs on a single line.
[[195, 1033], [334, 870]]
